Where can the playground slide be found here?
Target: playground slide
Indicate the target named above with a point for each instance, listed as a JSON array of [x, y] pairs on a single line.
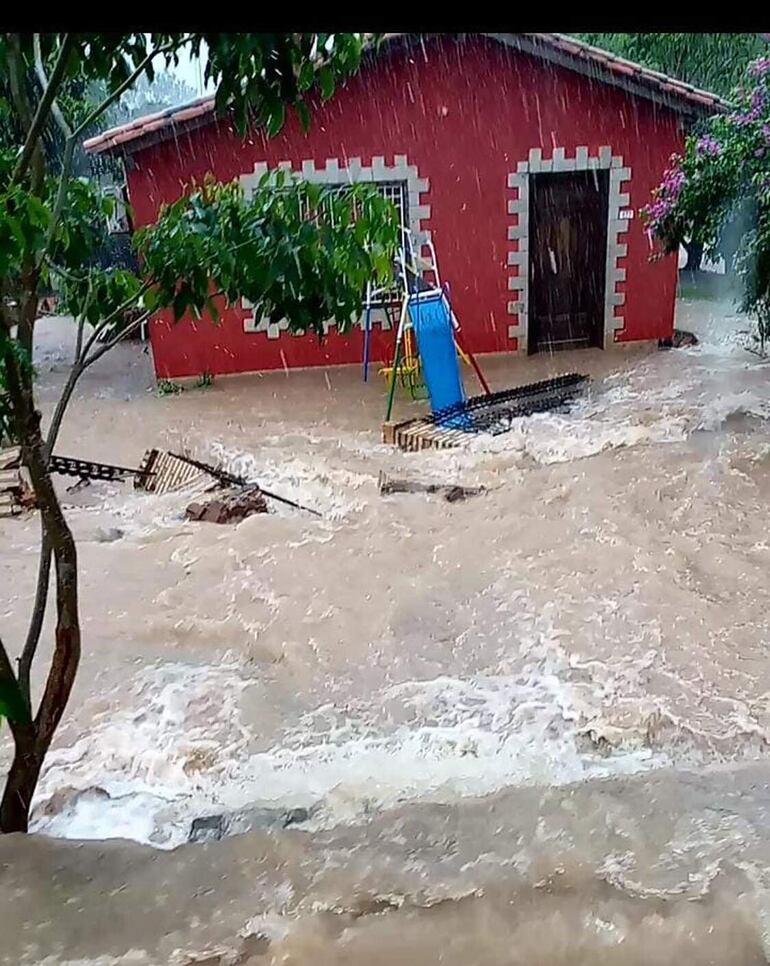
[[433, 329]]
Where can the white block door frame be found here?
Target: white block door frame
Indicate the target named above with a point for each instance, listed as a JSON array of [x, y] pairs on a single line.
[[518, 233], [351, 172]]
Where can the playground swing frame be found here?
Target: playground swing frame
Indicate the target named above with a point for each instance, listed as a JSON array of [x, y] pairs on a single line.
[[411, 297]]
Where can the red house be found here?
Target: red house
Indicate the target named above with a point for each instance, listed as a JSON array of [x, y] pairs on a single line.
[[525, 157]]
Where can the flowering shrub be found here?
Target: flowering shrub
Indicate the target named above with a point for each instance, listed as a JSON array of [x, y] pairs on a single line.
[[722, 182]]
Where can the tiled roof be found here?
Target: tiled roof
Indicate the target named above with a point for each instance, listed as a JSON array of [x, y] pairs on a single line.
[[142, 126], [564, 50], [699, 99]]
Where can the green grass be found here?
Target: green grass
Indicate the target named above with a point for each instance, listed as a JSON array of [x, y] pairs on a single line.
[[168, 388], [205, 380]]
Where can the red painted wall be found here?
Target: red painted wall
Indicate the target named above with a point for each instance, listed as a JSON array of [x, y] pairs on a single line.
[[465, 113]]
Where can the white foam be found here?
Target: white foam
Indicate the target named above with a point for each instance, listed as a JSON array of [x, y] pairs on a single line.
[[310, 482], [177, 748], [181, 750]]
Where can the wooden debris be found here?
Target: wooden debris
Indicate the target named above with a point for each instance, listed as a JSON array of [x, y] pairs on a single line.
[[682, 339], [452, 493], [231, 507], [10, 458], [15, 495], [229, 479], [172, 471], [90, 470], [418, 434], [222, 476], [163, 472], [9, 479]]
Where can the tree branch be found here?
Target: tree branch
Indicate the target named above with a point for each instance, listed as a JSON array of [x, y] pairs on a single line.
[[119, 91], [69, 146], [82, 362], [29, 276], [131, 327], [66, 654], [77, 370], [44, 106], [124, 307], [40, 68], [6, 668], [79, 337], [38, 614]]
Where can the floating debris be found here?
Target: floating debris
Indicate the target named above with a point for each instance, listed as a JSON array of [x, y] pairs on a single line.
[[452, 493], [90, 470], [164, 472], [229, 507], [15, 495]]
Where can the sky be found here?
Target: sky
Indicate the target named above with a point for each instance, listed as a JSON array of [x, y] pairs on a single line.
[[191, 71]]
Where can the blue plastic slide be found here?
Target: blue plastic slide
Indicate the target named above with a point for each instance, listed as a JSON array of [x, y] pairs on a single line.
[[432, 323]]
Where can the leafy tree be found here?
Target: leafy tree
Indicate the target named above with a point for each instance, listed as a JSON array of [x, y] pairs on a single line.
[[719, 189], [297, 251], [714, 62]]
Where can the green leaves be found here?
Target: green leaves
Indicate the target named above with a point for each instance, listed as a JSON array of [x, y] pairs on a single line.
[[714, 62], [12, 703], [299, 251], [24, 222], [721, 183], [98, 293], [326, 82], [259, 75]]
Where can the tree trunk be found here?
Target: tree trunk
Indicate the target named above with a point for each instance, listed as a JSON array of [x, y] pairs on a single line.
[[694, 256], [21, 782], [33, 741]]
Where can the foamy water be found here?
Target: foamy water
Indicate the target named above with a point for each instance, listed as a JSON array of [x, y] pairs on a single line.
[[544, 703], [182, 750], [530, 727]]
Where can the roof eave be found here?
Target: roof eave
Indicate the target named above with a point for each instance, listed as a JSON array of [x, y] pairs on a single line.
[[582, 58]]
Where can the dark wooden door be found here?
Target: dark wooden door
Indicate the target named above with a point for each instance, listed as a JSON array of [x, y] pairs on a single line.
[[568, 250]]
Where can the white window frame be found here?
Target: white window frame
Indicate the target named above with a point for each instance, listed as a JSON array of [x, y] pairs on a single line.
[[350, 172]]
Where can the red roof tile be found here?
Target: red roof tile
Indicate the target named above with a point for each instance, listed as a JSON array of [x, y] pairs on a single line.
[[646, 82]]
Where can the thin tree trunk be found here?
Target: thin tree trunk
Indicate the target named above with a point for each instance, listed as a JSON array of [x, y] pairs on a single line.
[[33, 741], [694, 256], [21, 782]]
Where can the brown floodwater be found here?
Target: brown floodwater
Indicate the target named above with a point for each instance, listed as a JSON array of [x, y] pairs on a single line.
[[530, 727]]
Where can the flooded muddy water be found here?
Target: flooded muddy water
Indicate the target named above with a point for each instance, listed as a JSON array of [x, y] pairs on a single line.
[[529, 727]]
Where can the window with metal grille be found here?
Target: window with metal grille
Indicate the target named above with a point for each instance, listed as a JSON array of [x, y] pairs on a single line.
[[394, 191]]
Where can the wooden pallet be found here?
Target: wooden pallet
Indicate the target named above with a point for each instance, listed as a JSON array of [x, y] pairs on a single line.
[[10, 458], [11, 482], [418, 434], [163, 473]]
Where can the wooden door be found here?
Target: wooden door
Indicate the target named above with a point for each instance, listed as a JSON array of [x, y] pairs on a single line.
[[568, 251]]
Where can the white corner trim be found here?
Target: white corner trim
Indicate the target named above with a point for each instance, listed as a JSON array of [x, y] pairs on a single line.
[[348, 171], [518, 285], [618, 199]]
